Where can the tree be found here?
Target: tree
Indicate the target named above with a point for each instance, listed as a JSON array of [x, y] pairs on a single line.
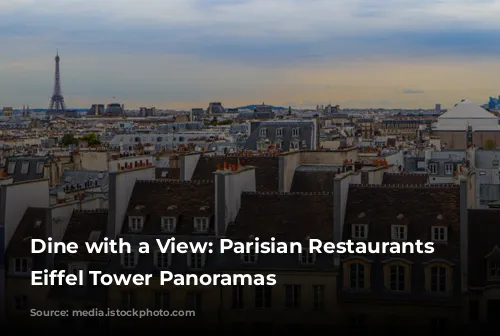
[[92, 139], [490, 144], [69, 139]]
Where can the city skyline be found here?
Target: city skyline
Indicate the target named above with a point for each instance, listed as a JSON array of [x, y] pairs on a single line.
[[183, 54]]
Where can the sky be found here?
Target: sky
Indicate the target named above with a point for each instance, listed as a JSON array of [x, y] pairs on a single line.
[[182, 54]]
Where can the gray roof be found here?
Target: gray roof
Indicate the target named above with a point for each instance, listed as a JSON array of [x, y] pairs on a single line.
[[32, 172], [75, 177]]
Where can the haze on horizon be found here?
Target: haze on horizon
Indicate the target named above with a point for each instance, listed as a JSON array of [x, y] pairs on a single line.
[[185, 53]]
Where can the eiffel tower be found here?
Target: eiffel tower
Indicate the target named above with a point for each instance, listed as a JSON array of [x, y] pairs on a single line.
[[57, 105]]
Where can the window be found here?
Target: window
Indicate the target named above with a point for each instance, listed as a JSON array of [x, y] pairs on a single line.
[[162, 260], [168, 224], [201, 224], [356, 276], [94, 236], [237, 297], [494, 270], [397, 280], [433, 168], [162, 300], [249, 258], [263, 296], [360, 231], [448, 169], [263, 132], [318, 297], [22, 265], [129, 260], [495, 163], [39, 167], [307, 257], [135, 224], [12, 168], [128, 300], [398, 232], [21, 302], [25, 167], [295, 132], [439, 234], [279, 132], [438, 279], [294, 145], [196, 260], [292, 296], [194, 302]]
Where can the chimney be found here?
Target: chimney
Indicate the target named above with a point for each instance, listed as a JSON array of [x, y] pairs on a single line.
[[229, 185], [49, 232], [464, 233], [340, 191]]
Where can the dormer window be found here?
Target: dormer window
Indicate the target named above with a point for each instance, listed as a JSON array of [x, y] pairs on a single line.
[[263, 132], [94, 236], [168, 224], [449, 169], [12, 168], [162, 260], [22, 265], [279, 132], [24, 168], [196, 260], [433, 168], [398, 232], [135, 223], [439, 234], [295, 132], [249, 258], [494, 270], [129, 260], [201, 224], [307, 257], [359, 231], [39, 167]]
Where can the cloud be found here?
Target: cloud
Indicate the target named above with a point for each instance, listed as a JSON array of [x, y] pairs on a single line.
[[196, 50]]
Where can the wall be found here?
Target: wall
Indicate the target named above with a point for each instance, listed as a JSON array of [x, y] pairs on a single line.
[[92, 160], [228, 188], [121, 185], [376, 174], [113, 165], [16, 198], [290, 161], [396, 159], [340, 192], [187, 165]]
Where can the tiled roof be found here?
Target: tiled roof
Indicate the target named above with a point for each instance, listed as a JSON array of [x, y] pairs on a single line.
[[405, 179], [171, 198], [318, 181], [80, 227], [170, 173], [484, 235], [419, 208], [31, 226], [266, 172], [285, 216]]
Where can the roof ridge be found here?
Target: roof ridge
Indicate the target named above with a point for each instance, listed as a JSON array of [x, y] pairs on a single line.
[[406, 174], [173, 181], [97, 210], [269, 193], [415, 186]]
